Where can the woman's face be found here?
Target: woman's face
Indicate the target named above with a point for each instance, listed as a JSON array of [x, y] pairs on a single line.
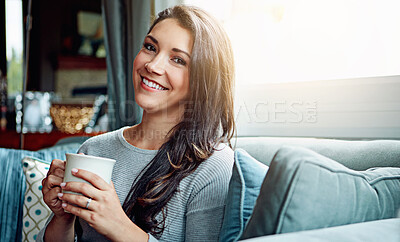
[[161, 69]]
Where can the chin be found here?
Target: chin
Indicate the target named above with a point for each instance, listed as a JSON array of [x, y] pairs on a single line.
[[149, 106]]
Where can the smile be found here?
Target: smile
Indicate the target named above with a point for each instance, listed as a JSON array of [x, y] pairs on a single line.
[[153, 85]]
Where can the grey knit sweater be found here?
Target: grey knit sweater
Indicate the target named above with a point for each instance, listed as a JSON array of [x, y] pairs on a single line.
[[194, 213]]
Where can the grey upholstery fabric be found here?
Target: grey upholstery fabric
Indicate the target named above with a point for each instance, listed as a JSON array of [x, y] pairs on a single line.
[[304, 190], [387, 230], [356, 155]]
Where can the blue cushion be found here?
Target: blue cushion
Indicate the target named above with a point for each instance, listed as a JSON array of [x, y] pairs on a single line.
[[12, 187], [304, 190], [244, 187]]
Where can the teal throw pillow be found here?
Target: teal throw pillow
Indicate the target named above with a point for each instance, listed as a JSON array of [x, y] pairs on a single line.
[[304, 190], [244, 187]]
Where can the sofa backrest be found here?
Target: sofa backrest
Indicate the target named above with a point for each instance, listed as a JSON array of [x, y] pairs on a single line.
[[356, 155]]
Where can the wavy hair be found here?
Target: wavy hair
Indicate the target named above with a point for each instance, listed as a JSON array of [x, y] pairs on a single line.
[[208, 119]]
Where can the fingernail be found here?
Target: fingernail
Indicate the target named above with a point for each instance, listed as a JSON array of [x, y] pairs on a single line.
[[74, 170], [63, 184], [60, 194], [64, 205]]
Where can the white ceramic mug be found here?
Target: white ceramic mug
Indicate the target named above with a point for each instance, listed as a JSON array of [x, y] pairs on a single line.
[[103, 167]]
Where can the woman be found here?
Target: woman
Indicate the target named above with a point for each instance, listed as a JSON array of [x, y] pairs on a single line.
[[172, 171]]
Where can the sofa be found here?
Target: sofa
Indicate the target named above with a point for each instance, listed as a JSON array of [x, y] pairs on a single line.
[[309, 189], [282, 189]]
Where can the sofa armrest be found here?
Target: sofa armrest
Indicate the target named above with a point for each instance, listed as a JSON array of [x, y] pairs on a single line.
[[379, 230]]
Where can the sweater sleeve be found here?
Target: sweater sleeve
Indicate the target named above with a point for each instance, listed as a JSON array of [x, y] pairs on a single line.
[[205, 209], [205, 224], [151, 238]]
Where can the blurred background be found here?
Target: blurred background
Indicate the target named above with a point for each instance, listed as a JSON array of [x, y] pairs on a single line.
[[310, 68]]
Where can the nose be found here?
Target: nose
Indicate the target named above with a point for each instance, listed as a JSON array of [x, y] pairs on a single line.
[[156, 65]]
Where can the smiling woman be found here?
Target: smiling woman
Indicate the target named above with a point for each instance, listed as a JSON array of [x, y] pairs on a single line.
[[173, 169], [161, 70]]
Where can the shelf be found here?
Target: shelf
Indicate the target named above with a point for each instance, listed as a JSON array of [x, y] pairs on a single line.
[[35, 141], [81, 62]]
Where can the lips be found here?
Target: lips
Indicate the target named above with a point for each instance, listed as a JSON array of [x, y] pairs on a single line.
[[152, 84]]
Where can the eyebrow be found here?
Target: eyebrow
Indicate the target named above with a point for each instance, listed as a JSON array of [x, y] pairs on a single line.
[[173, 49]]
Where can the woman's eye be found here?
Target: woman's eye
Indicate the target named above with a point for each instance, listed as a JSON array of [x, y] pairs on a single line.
[[179, 61], [149, 47]]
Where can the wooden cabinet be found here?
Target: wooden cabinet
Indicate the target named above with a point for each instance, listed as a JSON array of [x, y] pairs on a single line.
[[35, 141]]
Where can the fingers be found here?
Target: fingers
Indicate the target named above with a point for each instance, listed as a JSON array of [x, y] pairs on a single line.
[[57, 168], [80, 212], [50, 182], [51, 198], [54, 175], [81, 187], [79, 200], [58, 171], [57, 164], [94, 179]]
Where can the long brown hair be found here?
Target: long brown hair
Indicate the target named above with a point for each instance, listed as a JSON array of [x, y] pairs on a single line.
[[208, 119]]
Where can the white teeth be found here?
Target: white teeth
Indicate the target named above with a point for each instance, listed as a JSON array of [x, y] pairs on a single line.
[[152, 84]]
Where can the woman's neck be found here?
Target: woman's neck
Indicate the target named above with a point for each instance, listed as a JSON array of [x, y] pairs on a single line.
[[151, 133]]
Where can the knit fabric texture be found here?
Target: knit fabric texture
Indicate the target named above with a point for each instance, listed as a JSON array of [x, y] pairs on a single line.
[[194, 213]]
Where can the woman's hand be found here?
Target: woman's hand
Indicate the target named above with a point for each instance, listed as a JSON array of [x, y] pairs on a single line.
[[104, 212], [51, 187]]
